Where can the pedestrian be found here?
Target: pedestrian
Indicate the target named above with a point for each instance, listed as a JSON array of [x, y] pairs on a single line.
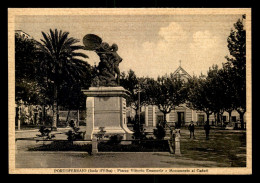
[[191, 128], [207, 129]]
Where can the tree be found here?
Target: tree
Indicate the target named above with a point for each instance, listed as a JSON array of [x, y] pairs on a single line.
[[130, 83], [136, 99], [27, 89], [217, 91], [237, 48], [219, 80], [136, 87], [200, 95], [166, 93], [26, 64], [25, 57], [226, 75], [61, 62], [222, 85]]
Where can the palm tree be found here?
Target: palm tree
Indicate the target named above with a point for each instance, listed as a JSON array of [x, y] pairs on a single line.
[[60, 63]]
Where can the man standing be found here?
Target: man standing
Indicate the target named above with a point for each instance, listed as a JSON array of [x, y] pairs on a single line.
[[207, 128], [191, 128]]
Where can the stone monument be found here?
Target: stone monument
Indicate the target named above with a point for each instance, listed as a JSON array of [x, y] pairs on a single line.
[[106, 99], [177, 142]]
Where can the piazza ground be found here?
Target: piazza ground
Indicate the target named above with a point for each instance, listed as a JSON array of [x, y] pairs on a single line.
[[225, 148]]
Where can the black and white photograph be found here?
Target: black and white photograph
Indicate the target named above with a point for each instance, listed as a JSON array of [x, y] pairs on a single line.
[[129, 91]]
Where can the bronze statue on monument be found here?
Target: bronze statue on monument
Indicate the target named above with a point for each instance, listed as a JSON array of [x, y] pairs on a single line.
[[105, 99], [108, 67]]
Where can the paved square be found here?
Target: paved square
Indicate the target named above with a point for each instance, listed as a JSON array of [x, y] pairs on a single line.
[[226, 148]]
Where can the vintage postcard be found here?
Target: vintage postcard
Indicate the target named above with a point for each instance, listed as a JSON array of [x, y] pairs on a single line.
[[129, 91]]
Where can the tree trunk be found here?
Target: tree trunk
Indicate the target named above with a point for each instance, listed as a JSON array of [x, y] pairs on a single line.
[[164, 120], [55, 111], [58, 114], [215, 118], [67, 124], [207, 118], [78, 118], [43, 115], [136, 115]]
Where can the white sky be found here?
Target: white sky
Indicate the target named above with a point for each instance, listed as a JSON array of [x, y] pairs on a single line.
[[151, 45]]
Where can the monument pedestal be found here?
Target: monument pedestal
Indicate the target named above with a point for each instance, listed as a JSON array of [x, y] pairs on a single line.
[[106, 107]]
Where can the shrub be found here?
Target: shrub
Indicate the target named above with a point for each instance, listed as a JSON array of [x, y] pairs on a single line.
[[45, 133], [62, 146], [48, 120], [115, 139], [74, 134], [143, 146], [101, 133], [159, 132], [138, 131]]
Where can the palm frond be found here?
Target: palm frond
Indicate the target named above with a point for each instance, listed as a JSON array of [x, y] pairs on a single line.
[[59, 60], [79, 61], [53, 41], [56, 36], [77, 47], [43, 41], [78, 54], [48, 44], [70, 41], [62, 39]]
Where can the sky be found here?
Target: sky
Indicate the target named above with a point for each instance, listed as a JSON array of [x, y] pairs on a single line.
[[151, 45]]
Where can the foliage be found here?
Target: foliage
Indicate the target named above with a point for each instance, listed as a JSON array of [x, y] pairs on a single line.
[[26, 61], [74, 134], [71, 96], [134, 85], [159, 132], [101, 133], [115, 139], [237, 45], [61, 66], [45, 133], [59, 145], [201, 95], [48, 120], [166, 93], [237, 48], [61, 60], [143, 146], [211, 93], [139, 131], [27, 88], [223, 89]]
